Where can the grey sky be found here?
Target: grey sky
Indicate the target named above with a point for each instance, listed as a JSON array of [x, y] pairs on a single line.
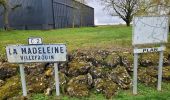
[[102, 17]]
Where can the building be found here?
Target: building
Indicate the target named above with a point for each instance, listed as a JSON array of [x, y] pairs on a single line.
[[49, 14]]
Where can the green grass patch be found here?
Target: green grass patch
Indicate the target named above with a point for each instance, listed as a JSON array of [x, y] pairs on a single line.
[[144, 93], [102, 36]]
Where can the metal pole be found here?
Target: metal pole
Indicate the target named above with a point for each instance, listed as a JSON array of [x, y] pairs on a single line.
[[135, 72], [57, 79], [160, 70], [24, 89]]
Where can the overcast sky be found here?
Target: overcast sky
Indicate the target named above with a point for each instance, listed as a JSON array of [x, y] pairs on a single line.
[[102, 17]]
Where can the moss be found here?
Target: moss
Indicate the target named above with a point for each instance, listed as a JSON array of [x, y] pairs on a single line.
[[146, 78], [78, 68], [149, 59], [112, 59], [11, 88], [63, 82], [122, 77], [166, 72], [36, 84], [78, 90], [105, 86]]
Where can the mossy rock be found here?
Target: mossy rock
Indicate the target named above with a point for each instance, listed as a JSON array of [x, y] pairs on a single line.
[[78, 90], [152, 71], [121, 77], [106, 86], [127, 61], [166, 73], [99, 55], [37, 84], [2, 83], [96, 72], [149, 59], [7, 70], [112, 60], [78, 68], [82, 79], [146, 78], [11, 88], [49, 72], [63, 82]]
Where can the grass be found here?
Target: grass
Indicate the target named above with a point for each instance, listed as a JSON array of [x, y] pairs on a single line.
[[102, 36], [87, 37], [144, 93]]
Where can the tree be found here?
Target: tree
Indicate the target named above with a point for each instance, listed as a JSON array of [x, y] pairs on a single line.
[[5, 5], [7, 8], [82, 1], [125, 9], [159, 7]]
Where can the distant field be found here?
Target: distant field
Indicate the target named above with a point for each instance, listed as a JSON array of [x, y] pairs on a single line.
[[102, 36]]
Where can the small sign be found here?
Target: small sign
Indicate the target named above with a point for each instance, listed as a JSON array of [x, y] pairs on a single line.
[[149, 50], [32, 41], [36, 53]]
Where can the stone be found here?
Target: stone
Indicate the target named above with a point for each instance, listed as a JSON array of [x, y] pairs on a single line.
[[0, 63], [7, 70], [96, 72], [11, 88], [146, 63], [127, 61], [146, 78], [121, 77], [112, 60], [48, 92], [36, 69], [166, 59], [49, 72], [77, 90], [166, 62], [150, 59], [63, 82], [89, 79], [152, 71], [78, 68], [166, 72], [2, 83], [105, 86], [36, 84], [82, 79]]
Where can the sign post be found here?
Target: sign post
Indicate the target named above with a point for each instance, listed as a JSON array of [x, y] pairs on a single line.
[[57, 79], [135, 73], [149, 30], [24, 89], [36, 52], [160, 70]]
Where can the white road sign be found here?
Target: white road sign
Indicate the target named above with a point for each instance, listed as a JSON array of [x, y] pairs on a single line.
[[149, 50], [32, 41], [36, 53], [150, 30]]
